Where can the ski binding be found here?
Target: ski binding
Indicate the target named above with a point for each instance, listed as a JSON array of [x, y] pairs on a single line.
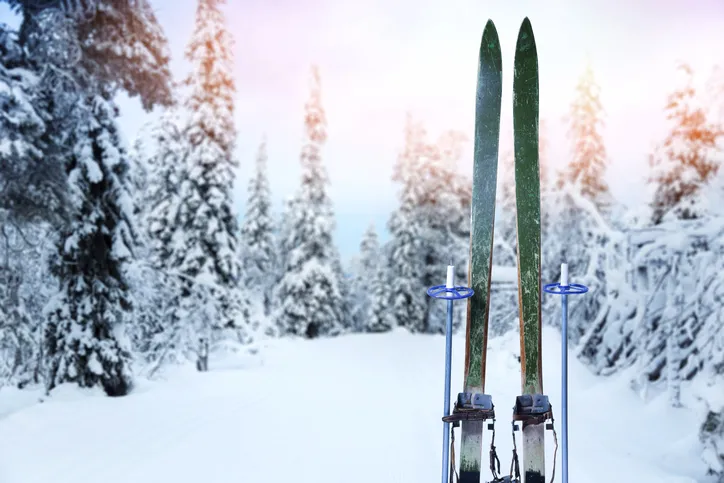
[[532, 409], [471, 407]]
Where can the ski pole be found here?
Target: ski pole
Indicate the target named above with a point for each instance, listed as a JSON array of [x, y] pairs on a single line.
[[448, 292], [448, 368], [564, 289]]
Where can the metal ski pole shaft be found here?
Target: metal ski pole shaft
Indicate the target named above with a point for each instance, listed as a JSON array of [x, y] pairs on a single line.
[[450, 293], [564, 289], [564, 374], [448, 369]]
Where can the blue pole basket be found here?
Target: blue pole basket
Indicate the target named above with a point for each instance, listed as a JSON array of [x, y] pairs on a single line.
[[570, 289], [454, 293]]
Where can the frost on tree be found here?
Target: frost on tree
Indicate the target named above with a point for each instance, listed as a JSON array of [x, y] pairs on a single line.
[[257, 235], [434, 205], [686, 160], [310, 301], [85, 337], [207, 231]]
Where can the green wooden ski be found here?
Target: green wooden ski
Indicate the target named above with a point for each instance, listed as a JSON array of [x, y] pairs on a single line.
[[527, 193], [485, 169]]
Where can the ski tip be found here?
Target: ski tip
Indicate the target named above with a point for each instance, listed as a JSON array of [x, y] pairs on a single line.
[[526, 40], [490, 44]]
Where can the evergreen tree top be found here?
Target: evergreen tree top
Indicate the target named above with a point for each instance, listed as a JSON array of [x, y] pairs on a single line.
[[211, 102]]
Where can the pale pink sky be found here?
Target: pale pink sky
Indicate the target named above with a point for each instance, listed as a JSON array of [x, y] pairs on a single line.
[[379, 58]]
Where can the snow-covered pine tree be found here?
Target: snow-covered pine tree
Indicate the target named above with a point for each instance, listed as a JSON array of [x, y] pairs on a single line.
[[368, 260], [213, 299], [685, 161], [589, 160], [309, 300], [85, 337], [259, 255]]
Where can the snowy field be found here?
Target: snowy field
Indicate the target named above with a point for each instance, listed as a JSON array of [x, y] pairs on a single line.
[[363, 408]]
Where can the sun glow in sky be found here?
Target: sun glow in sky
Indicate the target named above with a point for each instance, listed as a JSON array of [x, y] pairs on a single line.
[[381, 58]]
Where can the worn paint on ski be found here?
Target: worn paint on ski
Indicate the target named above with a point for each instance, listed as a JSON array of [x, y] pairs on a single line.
[[527, 194], [485, 169]]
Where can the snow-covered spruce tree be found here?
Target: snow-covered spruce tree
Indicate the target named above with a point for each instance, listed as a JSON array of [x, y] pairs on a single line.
[[685, 161], [212, 298], [368, 260], [588, 164], [309, 300], [84, 335], [259, 256]]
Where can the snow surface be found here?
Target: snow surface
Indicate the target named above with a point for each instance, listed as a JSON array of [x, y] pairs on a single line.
[[364, 406]]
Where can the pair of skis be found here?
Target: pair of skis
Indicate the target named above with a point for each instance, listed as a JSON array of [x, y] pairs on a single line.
[[474, 408]]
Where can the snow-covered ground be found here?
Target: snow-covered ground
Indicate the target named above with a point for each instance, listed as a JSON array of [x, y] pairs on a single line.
[[363, 408]]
